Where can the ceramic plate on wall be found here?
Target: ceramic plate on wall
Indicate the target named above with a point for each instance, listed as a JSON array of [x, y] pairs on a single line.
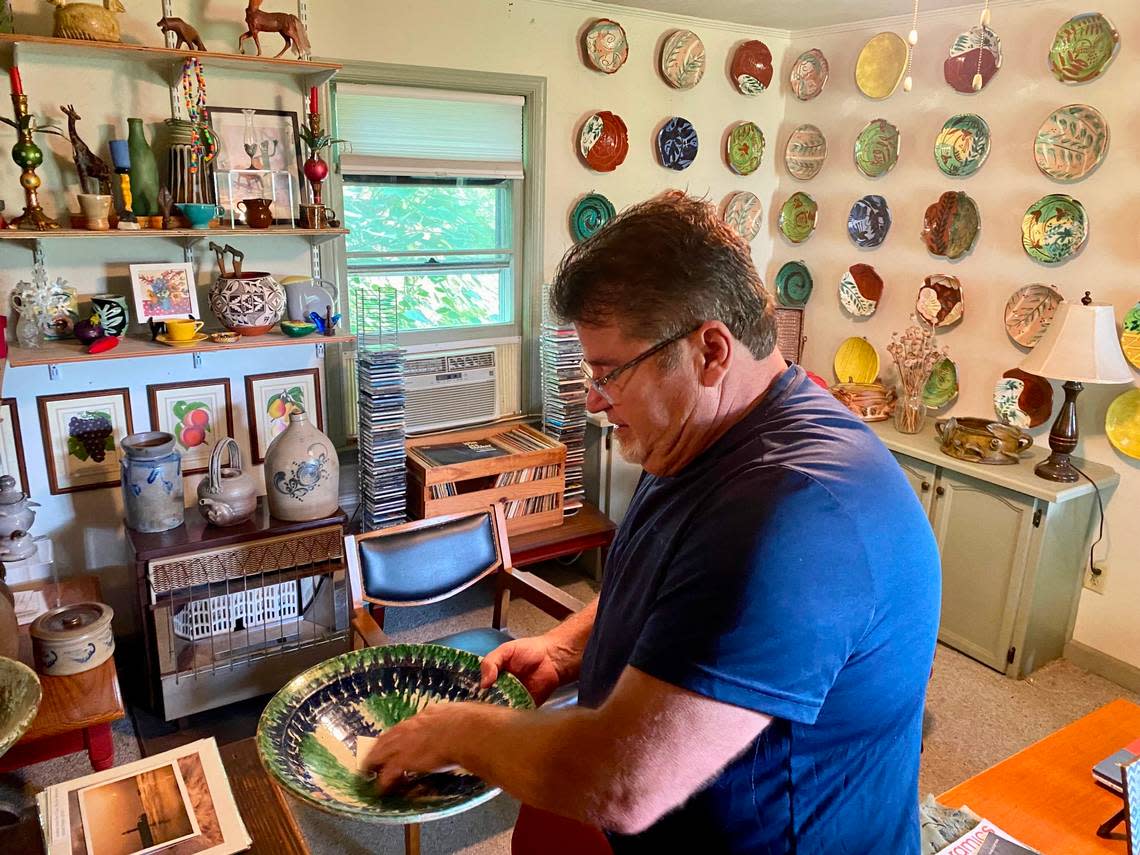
[[962, 145], [1023, 400], [677, 144], [683, 59], [1130, 335], [805, 152], [1071, 142], [590, 213], [798, 217], [745, 148], [743, 213], [856, 361], [1029, 312], [942, 385], [793, 284], [877, 148], [881, 65], [1054, 228], [809, 74], [603, 141], [606, 47], [751, 67], [950, 226], [869, 221], [1122, 423], [860, 290], [974, 52], [940, 300], [1083, 48]]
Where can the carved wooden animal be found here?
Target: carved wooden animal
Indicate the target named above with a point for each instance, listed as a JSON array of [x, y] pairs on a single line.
[[92, 21], [187, 35], [289, 26], [88, 164]]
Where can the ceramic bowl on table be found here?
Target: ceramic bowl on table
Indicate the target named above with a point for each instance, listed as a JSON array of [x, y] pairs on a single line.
[[72, 639], [20, 695], [981, 440]]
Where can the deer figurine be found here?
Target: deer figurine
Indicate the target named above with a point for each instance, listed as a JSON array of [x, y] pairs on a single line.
[[289, 26], [88, 164], [91, 21]]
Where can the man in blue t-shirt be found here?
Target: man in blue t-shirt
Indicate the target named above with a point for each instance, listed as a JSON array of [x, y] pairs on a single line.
[[753, 673]]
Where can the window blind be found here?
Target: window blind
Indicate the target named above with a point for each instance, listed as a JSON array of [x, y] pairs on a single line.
[[405, 131]]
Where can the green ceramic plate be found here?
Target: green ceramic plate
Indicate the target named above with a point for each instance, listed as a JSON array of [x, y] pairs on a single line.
[[1071, 142], [307, 734], [798, 216], [745, 148], [794, 284], [942, 386], [962, 145], [590, 213], [1083, 48], [951, 225], [1054, 228], [20, 695], [877, 148]]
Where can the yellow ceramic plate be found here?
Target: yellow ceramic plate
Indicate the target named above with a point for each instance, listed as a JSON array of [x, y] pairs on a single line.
[[189, 342], [1130, 344], [856, 361], [881, 65], [1122, 423]]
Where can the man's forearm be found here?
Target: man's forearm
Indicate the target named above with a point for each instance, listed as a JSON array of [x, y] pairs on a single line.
[[569, 639]]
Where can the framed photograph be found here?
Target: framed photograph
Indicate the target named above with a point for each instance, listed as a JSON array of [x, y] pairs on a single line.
[[197, 413], [12, 444], [164, 291], [272, 398], [278, 148], [81, 434], [137, 814]]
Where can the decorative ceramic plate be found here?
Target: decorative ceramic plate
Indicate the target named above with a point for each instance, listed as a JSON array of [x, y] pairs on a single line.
[[1054, 228], [962, 145], [606, 45], [1023, 400], [307, 734], [745, 148], [951, 225], [869, 221], [793, 284], [856, 361], [677, 144], [1130, 335], [683, 59], [877, 148], [942, 385], [1071, 143], [20, 695], [751, 67], [1083, 48], [940, 300], [860, 290], [743, 213], [1122, 423], [976, 52], [603, 141], [1029, 312], [798, 216], [809, 74], [805, 153], [881, 65], [590, 213]]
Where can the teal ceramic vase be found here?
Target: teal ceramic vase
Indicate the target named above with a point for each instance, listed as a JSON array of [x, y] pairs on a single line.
[[144, 171]]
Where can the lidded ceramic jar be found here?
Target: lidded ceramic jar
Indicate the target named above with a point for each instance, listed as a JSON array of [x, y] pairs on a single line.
[[151, 470], [302, 473], [72, 639]]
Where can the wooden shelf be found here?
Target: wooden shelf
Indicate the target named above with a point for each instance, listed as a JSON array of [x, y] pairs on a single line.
[[307, 72], [186, 235]]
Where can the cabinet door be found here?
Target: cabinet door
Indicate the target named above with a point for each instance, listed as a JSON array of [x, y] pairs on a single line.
[[920, 474], [983, 533]]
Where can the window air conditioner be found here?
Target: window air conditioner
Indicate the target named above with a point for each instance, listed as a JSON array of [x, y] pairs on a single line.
[[450, 388]]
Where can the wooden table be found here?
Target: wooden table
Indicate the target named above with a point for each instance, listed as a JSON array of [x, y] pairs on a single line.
[[587, 529], [1045, 795], [76, 711], [263, 806]]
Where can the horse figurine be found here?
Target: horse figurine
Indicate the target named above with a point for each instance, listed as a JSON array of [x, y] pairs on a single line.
[[91, 21], [289, 26], [88, 164], [186, 34]]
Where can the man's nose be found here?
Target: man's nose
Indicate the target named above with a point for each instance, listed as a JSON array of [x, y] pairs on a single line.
[[595, 401]]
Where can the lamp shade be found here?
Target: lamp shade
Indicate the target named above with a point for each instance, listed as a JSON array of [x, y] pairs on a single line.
[[1080, 345]]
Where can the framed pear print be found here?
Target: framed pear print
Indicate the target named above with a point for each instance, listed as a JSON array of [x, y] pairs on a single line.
[[81, 433], [12, 444], [271, 398], [197, 414]]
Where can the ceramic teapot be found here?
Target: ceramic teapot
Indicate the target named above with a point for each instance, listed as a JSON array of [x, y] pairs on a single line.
[[304, 294], [18, 546], [227, 495], [16, 512], [247, 303]]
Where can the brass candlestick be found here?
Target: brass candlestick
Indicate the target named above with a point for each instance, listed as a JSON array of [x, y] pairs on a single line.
[[28, 156]]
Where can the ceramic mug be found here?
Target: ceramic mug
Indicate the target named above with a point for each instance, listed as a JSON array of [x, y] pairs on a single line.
[[112, 312], [200, 215], [181, 329], [96, 210], [258, 212]]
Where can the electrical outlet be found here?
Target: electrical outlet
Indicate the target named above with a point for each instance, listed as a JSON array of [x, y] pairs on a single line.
[[1096, 576]]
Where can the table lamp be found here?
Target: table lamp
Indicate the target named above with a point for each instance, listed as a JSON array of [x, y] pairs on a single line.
[[1080, 346]]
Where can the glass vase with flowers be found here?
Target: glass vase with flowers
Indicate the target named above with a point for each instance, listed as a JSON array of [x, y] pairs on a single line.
[[914, 355]]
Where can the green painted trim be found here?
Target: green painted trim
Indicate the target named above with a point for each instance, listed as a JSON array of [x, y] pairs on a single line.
[[1122, 673]]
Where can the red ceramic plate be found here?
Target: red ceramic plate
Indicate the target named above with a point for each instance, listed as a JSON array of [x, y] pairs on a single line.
[[752, 67], [1022, 399], [603, 141]]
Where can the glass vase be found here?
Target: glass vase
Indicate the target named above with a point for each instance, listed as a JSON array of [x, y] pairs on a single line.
[[910, 411]]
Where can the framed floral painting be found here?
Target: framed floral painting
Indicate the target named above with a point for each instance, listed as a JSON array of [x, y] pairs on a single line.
[[12, 444], [196, 413], [272, 398], [164, 291], [82, 432]]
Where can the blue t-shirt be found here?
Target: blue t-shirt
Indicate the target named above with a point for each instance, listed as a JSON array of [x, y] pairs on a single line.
[[788, 569]]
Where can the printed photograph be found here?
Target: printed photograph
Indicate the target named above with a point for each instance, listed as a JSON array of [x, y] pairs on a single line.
[[268, 142], [138, 814]]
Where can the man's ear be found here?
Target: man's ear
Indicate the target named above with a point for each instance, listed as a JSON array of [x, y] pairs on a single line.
[[717, 349]]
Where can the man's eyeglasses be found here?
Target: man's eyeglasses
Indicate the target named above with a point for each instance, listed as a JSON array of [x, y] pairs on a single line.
[[598, 384]]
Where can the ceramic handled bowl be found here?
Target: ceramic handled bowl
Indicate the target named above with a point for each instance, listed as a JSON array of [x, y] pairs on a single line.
[[981, 440], [72, 639]]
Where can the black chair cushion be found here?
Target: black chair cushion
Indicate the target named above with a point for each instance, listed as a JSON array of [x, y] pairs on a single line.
[[423, 564]]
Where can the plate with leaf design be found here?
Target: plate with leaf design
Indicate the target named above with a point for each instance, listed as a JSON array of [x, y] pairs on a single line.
[[805, 152], [860, 290], [1022, 399], [962, 145], [1054, 228], [1029, 311], [951, 225], [1083, 48], [743, 213], [798, 217], [809, 74], [1130, 335], [1071, 142], [793, 284], [752, 67], [307, 734], [942, 385], [877, 148], [683, 59], [745, 148]]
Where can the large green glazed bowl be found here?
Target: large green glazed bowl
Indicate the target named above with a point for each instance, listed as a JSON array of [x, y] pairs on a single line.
[[20, 696], [306, 737]]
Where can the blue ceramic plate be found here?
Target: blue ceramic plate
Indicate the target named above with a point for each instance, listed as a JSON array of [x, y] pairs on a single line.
[[677, 144], [869, 221]]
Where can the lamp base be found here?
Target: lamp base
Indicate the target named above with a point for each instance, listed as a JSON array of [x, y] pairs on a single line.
[[1062, 440], [1056, 467]]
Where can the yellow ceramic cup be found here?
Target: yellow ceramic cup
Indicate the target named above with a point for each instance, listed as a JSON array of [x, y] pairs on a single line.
[[181, 329]]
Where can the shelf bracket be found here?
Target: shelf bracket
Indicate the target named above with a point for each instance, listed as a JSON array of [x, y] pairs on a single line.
[[196, 356], [53, 371], [320, 350]]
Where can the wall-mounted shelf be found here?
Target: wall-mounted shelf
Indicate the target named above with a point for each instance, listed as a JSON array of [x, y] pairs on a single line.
[[316, 236]]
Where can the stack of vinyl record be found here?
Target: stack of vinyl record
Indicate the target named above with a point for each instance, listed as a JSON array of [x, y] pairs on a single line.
[[380, 378], [564, 402]]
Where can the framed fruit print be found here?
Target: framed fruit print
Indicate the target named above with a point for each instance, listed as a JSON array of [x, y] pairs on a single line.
[[197, 414], [12, 444], [271, 398], [82, 432]]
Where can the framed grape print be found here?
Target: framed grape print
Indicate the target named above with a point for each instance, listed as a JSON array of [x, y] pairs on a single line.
[[197, 414], [81, 433], [271, 398], [12, 444]]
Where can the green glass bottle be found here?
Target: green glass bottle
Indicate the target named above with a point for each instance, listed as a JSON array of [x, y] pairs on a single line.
[[144, 171]]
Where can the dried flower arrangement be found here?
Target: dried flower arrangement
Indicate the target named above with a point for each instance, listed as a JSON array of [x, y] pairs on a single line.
[[915, 355]]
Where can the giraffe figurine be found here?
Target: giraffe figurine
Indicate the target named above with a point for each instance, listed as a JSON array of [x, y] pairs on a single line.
[[88, 164]]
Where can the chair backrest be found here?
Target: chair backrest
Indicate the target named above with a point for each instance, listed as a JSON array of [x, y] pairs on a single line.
[[426, 560], [1132, 805]]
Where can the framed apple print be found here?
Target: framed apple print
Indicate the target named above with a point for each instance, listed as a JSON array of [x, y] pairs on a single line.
[[164, 291], [12, 444], [271, 398], [82, 432], [197, 414]]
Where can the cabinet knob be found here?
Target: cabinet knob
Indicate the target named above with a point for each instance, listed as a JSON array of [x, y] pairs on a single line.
[[940, 491], [925, 486]]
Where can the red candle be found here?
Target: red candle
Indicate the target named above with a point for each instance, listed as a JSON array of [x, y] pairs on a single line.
[[17, 84], [312, 98]]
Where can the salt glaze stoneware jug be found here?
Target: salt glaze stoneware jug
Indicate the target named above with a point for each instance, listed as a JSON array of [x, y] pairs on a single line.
[[227, 495], [302, 473], [152, 482]]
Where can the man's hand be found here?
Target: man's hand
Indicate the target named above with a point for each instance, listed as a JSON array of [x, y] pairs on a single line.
[[422, 743], [532, 660]]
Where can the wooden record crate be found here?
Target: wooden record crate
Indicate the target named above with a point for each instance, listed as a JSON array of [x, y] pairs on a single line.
[[472, 484]]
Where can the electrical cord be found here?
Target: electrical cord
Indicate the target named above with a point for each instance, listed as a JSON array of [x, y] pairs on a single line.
[[1100, 533]]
